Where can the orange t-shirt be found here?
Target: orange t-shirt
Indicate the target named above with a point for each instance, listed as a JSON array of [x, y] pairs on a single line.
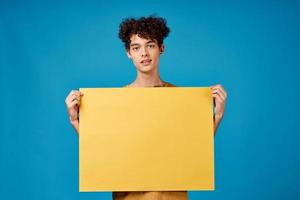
[[166, 84], [153, 195]]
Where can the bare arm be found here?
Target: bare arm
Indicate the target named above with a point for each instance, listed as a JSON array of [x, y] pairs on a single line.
[[217, 121], [75, 125]]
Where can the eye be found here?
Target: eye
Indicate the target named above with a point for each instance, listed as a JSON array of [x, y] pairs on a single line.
[[135, 48], [151, 45]]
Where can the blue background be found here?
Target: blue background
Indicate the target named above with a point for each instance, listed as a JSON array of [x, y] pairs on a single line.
[[49, 48]]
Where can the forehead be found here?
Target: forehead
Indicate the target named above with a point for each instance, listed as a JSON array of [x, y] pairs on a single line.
[[136, 39]]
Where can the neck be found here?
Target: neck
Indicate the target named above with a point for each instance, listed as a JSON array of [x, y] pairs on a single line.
[[149, 79]]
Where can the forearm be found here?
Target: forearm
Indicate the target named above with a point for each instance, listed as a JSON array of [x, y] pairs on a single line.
[[75, 125], [217, 120]]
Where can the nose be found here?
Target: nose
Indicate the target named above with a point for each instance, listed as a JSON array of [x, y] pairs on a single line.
[[144, 52]]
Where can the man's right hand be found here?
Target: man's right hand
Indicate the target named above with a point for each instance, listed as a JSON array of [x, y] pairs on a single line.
[[72, 103]]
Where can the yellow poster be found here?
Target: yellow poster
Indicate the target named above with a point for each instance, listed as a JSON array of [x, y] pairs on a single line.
[[146, 139]]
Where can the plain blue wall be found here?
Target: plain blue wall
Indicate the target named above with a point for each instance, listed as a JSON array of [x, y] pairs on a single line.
[[47, 49]]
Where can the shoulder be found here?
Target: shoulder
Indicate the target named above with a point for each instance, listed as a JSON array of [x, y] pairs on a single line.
[[167, 84]]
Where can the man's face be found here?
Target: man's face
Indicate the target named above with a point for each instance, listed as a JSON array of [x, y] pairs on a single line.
[[144, 53]]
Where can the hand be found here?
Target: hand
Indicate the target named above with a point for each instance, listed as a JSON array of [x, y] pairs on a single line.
[[72, 103], [219, 95]]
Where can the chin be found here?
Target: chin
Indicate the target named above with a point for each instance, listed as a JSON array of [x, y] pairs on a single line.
[[146, 69]]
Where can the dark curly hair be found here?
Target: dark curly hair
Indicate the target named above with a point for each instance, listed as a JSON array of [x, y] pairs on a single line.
[[152, 27]]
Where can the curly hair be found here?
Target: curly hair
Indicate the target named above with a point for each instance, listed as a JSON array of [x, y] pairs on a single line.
[[154, 28]]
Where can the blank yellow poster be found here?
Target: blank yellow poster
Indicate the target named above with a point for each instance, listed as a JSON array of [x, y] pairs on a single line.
[[146, 139]]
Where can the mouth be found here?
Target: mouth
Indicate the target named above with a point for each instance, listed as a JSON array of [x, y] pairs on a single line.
[[146, 62]]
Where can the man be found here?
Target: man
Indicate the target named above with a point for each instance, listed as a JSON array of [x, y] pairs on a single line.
[[143, 40]]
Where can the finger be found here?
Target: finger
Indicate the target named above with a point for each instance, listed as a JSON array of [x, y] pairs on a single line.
[[71, 94], [76, 95], [219, 90], [218, 97], [222, 96], [75, 92], [76, 98], [71, 99], [73, 103]]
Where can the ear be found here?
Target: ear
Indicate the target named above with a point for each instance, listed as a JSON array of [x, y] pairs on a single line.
[[162, 48], [128, 54]]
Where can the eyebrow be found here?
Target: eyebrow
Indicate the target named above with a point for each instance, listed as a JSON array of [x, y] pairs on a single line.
[[136, 44]]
